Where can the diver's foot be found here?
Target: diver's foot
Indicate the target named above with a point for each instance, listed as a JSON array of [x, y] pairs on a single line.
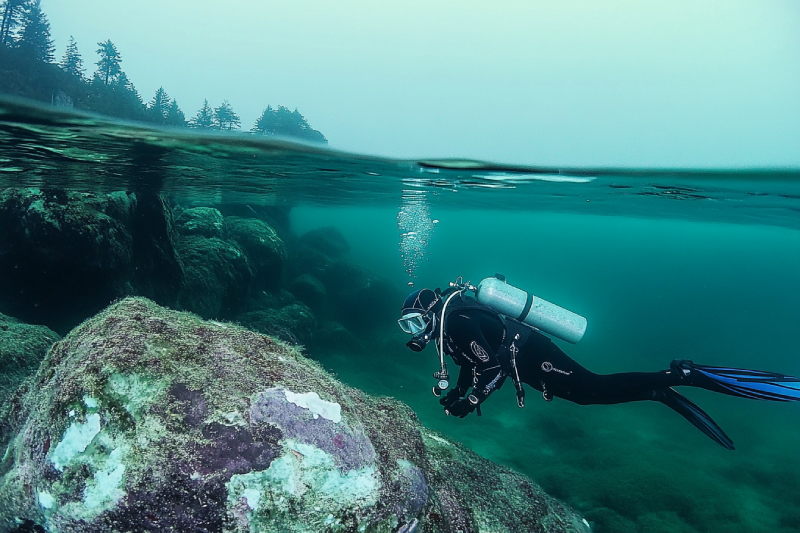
[[682, 368]]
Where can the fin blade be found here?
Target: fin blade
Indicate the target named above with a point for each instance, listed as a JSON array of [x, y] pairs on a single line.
[[696, 416], [754, 383]]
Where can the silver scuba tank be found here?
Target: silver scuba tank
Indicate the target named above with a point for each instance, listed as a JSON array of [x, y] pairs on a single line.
[[532, 310]]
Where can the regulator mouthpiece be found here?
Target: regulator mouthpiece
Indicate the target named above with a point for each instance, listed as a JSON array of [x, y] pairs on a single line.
[[419, 342]]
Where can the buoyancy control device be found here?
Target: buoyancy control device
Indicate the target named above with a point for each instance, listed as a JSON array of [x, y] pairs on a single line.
[[497, 294]]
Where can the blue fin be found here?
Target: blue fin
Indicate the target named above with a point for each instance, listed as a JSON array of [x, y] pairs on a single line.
[[752, 383], [696, 416]]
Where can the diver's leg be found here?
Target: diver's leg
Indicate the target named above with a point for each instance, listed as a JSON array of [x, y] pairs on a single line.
[[545, 367], [548, 369]]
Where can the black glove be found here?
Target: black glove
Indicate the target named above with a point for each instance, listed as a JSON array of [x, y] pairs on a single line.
[[450, 398], [461, 408]]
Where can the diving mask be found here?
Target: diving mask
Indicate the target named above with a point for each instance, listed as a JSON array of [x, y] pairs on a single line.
[[413, 323]]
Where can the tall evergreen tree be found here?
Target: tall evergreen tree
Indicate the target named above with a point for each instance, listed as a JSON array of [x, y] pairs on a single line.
[[108, 68], [175, 116], [72, 63], [12, 12], [204, 119], [158, 108], [34, 38], [125, 85], [225, 118], [129, 95]]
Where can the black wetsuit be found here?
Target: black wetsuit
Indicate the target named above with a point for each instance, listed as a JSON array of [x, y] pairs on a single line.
[[473, 337]]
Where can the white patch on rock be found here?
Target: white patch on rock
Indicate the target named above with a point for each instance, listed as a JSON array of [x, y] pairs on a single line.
[[75, 440], [319, 407], [46, 500], [252, 496], [307, 472], [235, 418], [135, 391], [439, 439], [105, 491], [90, 402]]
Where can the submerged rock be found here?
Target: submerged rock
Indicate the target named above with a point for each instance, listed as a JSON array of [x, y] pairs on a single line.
[[328, 241], [309, 290], [146, 419], [22, 348], [66, 255], [217, 276], [202, 221], [264, 249], [294, 323]]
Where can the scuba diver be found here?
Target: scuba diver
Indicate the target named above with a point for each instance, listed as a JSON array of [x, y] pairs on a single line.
[[491, 340]]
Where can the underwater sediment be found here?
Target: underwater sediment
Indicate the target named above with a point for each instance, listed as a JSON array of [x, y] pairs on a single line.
[[149, 419]]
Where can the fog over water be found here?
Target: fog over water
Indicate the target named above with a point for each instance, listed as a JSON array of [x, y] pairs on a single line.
[[611, 83]]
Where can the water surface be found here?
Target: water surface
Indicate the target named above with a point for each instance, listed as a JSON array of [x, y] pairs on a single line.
[[667, 263]]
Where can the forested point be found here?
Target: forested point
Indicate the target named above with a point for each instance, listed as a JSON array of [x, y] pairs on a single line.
[[28, 68]]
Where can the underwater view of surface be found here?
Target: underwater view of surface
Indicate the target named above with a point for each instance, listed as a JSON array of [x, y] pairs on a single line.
[[664, 264]]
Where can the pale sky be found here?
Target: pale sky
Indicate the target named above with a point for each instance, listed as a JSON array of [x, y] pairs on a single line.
[[562, 82]]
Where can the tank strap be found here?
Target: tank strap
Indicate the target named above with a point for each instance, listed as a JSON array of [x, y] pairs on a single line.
[[527, 308]]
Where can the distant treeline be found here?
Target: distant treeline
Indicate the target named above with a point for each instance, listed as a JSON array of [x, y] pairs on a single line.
[[28, 68]]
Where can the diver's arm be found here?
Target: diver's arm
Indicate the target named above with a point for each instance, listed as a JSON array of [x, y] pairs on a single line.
[[490, 380], [466, 329], [465, 373], [465, 377]]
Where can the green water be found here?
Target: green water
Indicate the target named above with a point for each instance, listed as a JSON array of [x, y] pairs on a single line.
[[664, 264], [653, 290]]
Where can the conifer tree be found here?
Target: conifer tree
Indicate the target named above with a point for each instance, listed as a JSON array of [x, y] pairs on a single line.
[[286, 123], [72, 63], [129, 92], [12, 12], [158, 108], [108, 68], [175, 116], [204, 119], [225, 118], [34, 37]]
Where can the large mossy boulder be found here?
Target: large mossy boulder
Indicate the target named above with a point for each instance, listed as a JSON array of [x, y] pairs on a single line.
[[294, 323], [146, 419], [217, 276], [264, 248], [66, 255], [202, 221], [22, 348]]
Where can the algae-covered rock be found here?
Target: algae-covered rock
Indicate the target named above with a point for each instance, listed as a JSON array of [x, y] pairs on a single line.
[[66, 254], [264, 248], [329, 241], [293, 323], [217, 278], [146, 419], [61, 252], [202, 221], [309, 290], [22, 348]]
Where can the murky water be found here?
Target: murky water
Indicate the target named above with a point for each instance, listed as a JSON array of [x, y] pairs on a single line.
[[664, 264]]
